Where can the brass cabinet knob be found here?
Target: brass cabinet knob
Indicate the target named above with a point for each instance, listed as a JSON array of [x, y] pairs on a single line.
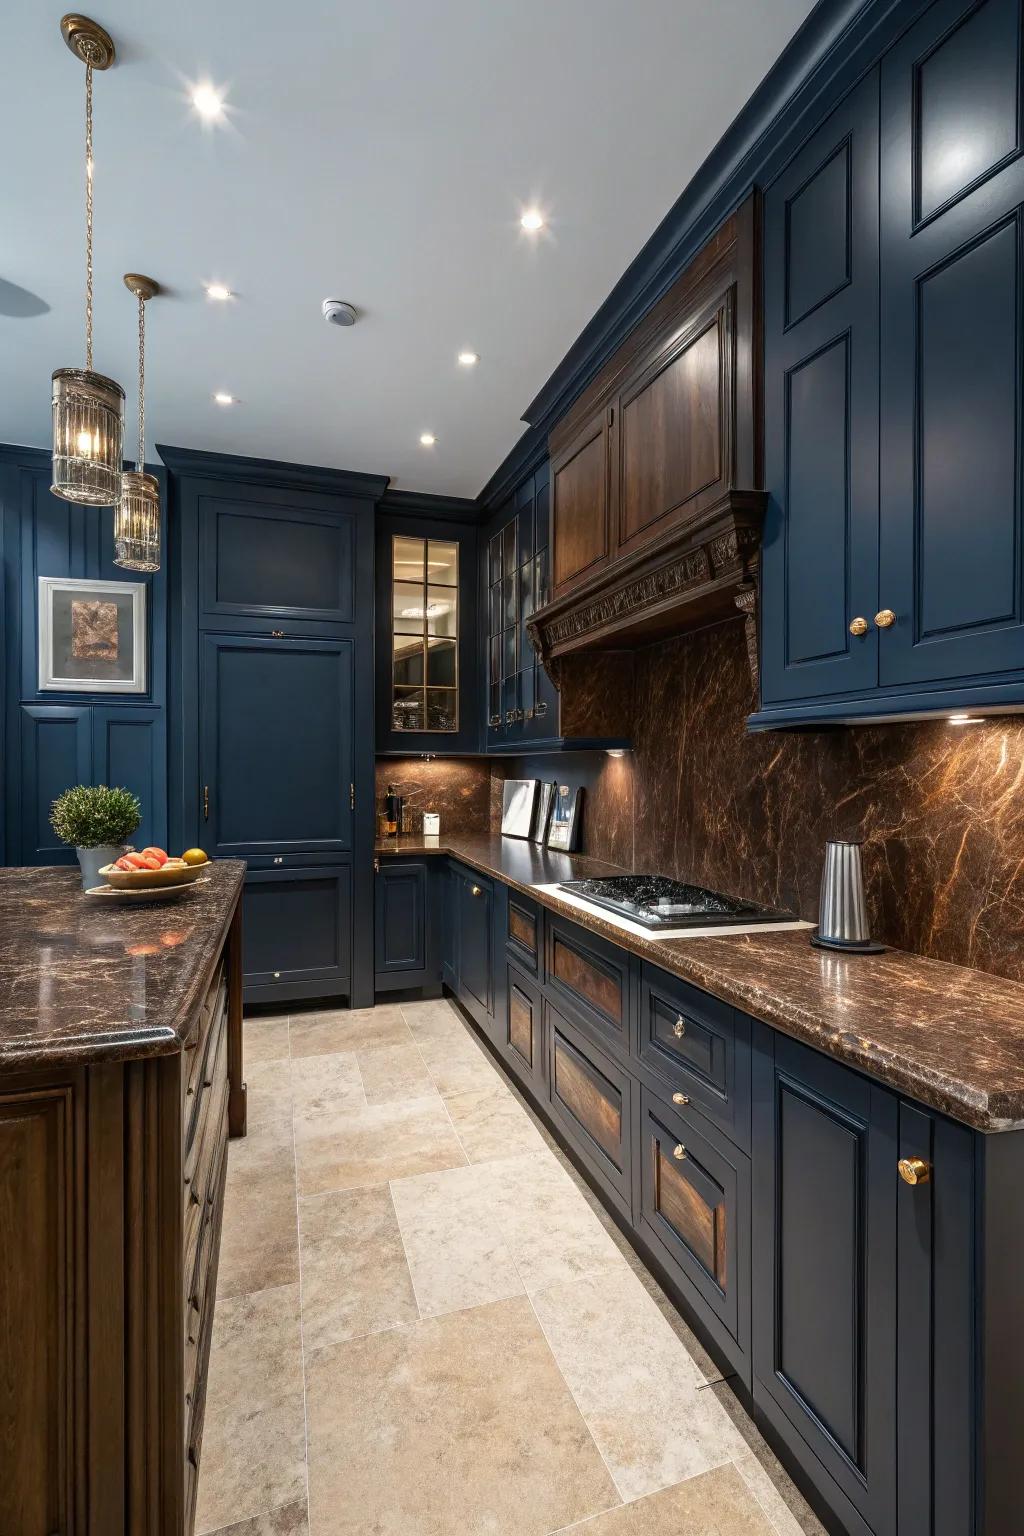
[[277, 975], [885, 619], [679, 1027], [680, 1098], [679, 1152], [476, 891], [858, 626], [914, 1170]]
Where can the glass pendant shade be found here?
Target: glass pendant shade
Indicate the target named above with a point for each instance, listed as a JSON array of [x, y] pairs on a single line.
[[88, 434], [137, 523]]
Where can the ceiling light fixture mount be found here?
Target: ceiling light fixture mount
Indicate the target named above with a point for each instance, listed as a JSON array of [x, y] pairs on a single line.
[[216, 291], [223, 398], [427, 439], [469, 359], [88, 408], [338, 312], [137, 514]]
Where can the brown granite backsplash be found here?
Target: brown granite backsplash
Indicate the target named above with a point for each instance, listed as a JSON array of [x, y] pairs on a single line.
[[940, 808], [459, 789]]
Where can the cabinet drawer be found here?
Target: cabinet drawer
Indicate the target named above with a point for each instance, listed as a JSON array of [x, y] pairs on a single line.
[[590, 1098], [590, 978], [523, 939], [521, 1039], [699, 1047], [201, 1156], [196, 1055]]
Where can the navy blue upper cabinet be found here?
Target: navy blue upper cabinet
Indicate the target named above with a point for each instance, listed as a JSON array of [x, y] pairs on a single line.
[[821, 409], [270, 560], [952, 531], [276, 755]]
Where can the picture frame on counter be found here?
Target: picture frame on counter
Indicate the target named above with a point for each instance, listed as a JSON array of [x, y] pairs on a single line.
[[92, 635], [545, 797], [518, 799], [565, 816]]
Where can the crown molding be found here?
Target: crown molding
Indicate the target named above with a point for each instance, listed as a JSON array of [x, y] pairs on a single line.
[[238, 467]]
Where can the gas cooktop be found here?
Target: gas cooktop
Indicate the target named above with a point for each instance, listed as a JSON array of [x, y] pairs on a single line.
[[654, 901]]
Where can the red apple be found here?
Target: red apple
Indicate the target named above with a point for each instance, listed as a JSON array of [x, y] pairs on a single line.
[[155, 853]]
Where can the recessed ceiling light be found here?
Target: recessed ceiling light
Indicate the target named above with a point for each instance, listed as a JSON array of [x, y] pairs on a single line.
[[427, 439], [532, 220], [219, 292], [467, 359], [965, 719], [208, 102], [224, 399]]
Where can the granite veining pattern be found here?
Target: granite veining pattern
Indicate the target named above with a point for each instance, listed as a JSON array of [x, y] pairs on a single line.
[[85, 982], [949, 1036]]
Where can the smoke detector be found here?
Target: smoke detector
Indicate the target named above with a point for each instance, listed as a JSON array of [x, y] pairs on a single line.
[[337, 312]]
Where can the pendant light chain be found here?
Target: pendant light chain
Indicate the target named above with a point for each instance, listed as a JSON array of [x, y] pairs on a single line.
[[141, 461], [88, 217]]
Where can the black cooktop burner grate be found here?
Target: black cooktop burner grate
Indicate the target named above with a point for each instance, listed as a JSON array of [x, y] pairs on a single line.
[[655, 901]]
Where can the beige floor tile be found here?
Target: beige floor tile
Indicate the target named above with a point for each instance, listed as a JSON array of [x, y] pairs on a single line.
[[268, 1091], [551, 1231], [455, 1249], [347, 1029], [456, 1063], [455, 1425], [347, 1147], [788, 1512], [355, 1279], [491, 1124], [264, 1040], [287, 1520], [391, 1073], [326, 1082], [715, 1503], [637, 1388], [259, 1239], [433, 1014], [254, 1449]]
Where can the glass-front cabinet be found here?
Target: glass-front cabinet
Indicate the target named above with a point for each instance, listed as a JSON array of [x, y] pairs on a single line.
[[521, 701], [424, 634]]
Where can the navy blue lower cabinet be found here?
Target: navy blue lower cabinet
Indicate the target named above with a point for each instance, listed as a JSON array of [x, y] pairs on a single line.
[[695, 1048], [449, 928], [825, 1269], [474, 916], [297, 928], [521, 1039], [406, 940], [694, 1209], [590, 1099], [590, 980]]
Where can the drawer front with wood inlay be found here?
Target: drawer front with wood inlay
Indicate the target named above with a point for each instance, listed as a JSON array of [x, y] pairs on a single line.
[[697, 1046], [524, 919], [695, 1211], [522, 1039], [590, 1095], [591, 981]]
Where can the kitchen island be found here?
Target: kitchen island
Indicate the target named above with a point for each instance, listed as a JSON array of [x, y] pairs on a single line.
[[120, 1081]]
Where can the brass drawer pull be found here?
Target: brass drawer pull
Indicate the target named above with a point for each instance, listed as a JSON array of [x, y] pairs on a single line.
[[475, 890], [885, 619], [679, 1152], [680, 1098], [859, 627], [914, 1170], [679, 1027]]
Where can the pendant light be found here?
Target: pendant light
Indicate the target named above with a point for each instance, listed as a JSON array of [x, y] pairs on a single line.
[[88, 408], [137, 514]]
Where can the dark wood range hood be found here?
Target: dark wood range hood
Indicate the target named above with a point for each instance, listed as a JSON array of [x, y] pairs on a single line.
[[655, 515]]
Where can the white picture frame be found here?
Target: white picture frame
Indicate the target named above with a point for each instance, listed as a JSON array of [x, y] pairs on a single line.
[[106, 620]]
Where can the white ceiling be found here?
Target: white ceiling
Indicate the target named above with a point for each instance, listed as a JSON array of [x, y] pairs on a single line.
[[380, 153]]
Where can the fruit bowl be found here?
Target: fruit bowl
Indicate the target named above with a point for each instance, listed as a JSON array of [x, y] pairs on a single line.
[[149, 879]]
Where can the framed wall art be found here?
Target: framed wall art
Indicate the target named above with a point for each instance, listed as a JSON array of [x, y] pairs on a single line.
[[92, 636], [565, 816]]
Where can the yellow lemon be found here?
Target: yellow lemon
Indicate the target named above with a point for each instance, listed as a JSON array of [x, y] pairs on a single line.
[[195, 856]]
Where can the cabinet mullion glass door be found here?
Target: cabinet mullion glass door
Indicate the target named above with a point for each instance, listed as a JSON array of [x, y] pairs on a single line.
[[424, 633]]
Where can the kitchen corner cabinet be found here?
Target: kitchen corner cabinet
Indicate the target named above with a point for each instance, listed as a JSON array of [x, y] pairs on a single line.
[[893, 568], [406, 935]]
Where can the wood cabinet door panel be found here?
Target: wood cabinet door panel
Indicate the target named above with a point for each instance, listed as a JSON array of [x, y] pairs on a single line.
[[580, 533], [590, 979], [522, 1039], [36, 1315], [672, 439], [590, 1097], [824, 1214], [951, 563], [820, 550], [524, 920]]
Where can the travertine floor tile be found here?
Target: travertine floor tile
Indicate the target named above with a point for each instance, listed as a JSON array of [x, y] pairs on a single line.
[[264, 1040], [637, 1388], [349, 1146], [433, 1014], [322, 1034], [391, 1073], [551, 1231], [456, 1063], [715, 1503], [259, 1238], [458, 1424], [455, 1249], [268, 1090], [326, 1082], [355, 1279], [788, 1512], [288, 1520], [491, 1124], [254, 1449]]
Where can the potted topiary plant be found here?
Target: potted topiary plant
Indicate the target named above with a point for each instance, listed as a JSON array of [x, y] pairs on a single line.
[[97, 821]]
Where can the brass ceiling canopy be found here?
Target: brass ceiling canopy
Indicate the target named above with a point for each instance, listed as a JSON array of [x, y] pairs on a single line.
[[143, 287], [87, 40]]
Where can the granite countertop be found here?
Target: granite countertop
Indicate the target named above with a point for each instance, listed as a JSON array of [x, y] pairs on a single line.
[[948, 1036], [82, 981]]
